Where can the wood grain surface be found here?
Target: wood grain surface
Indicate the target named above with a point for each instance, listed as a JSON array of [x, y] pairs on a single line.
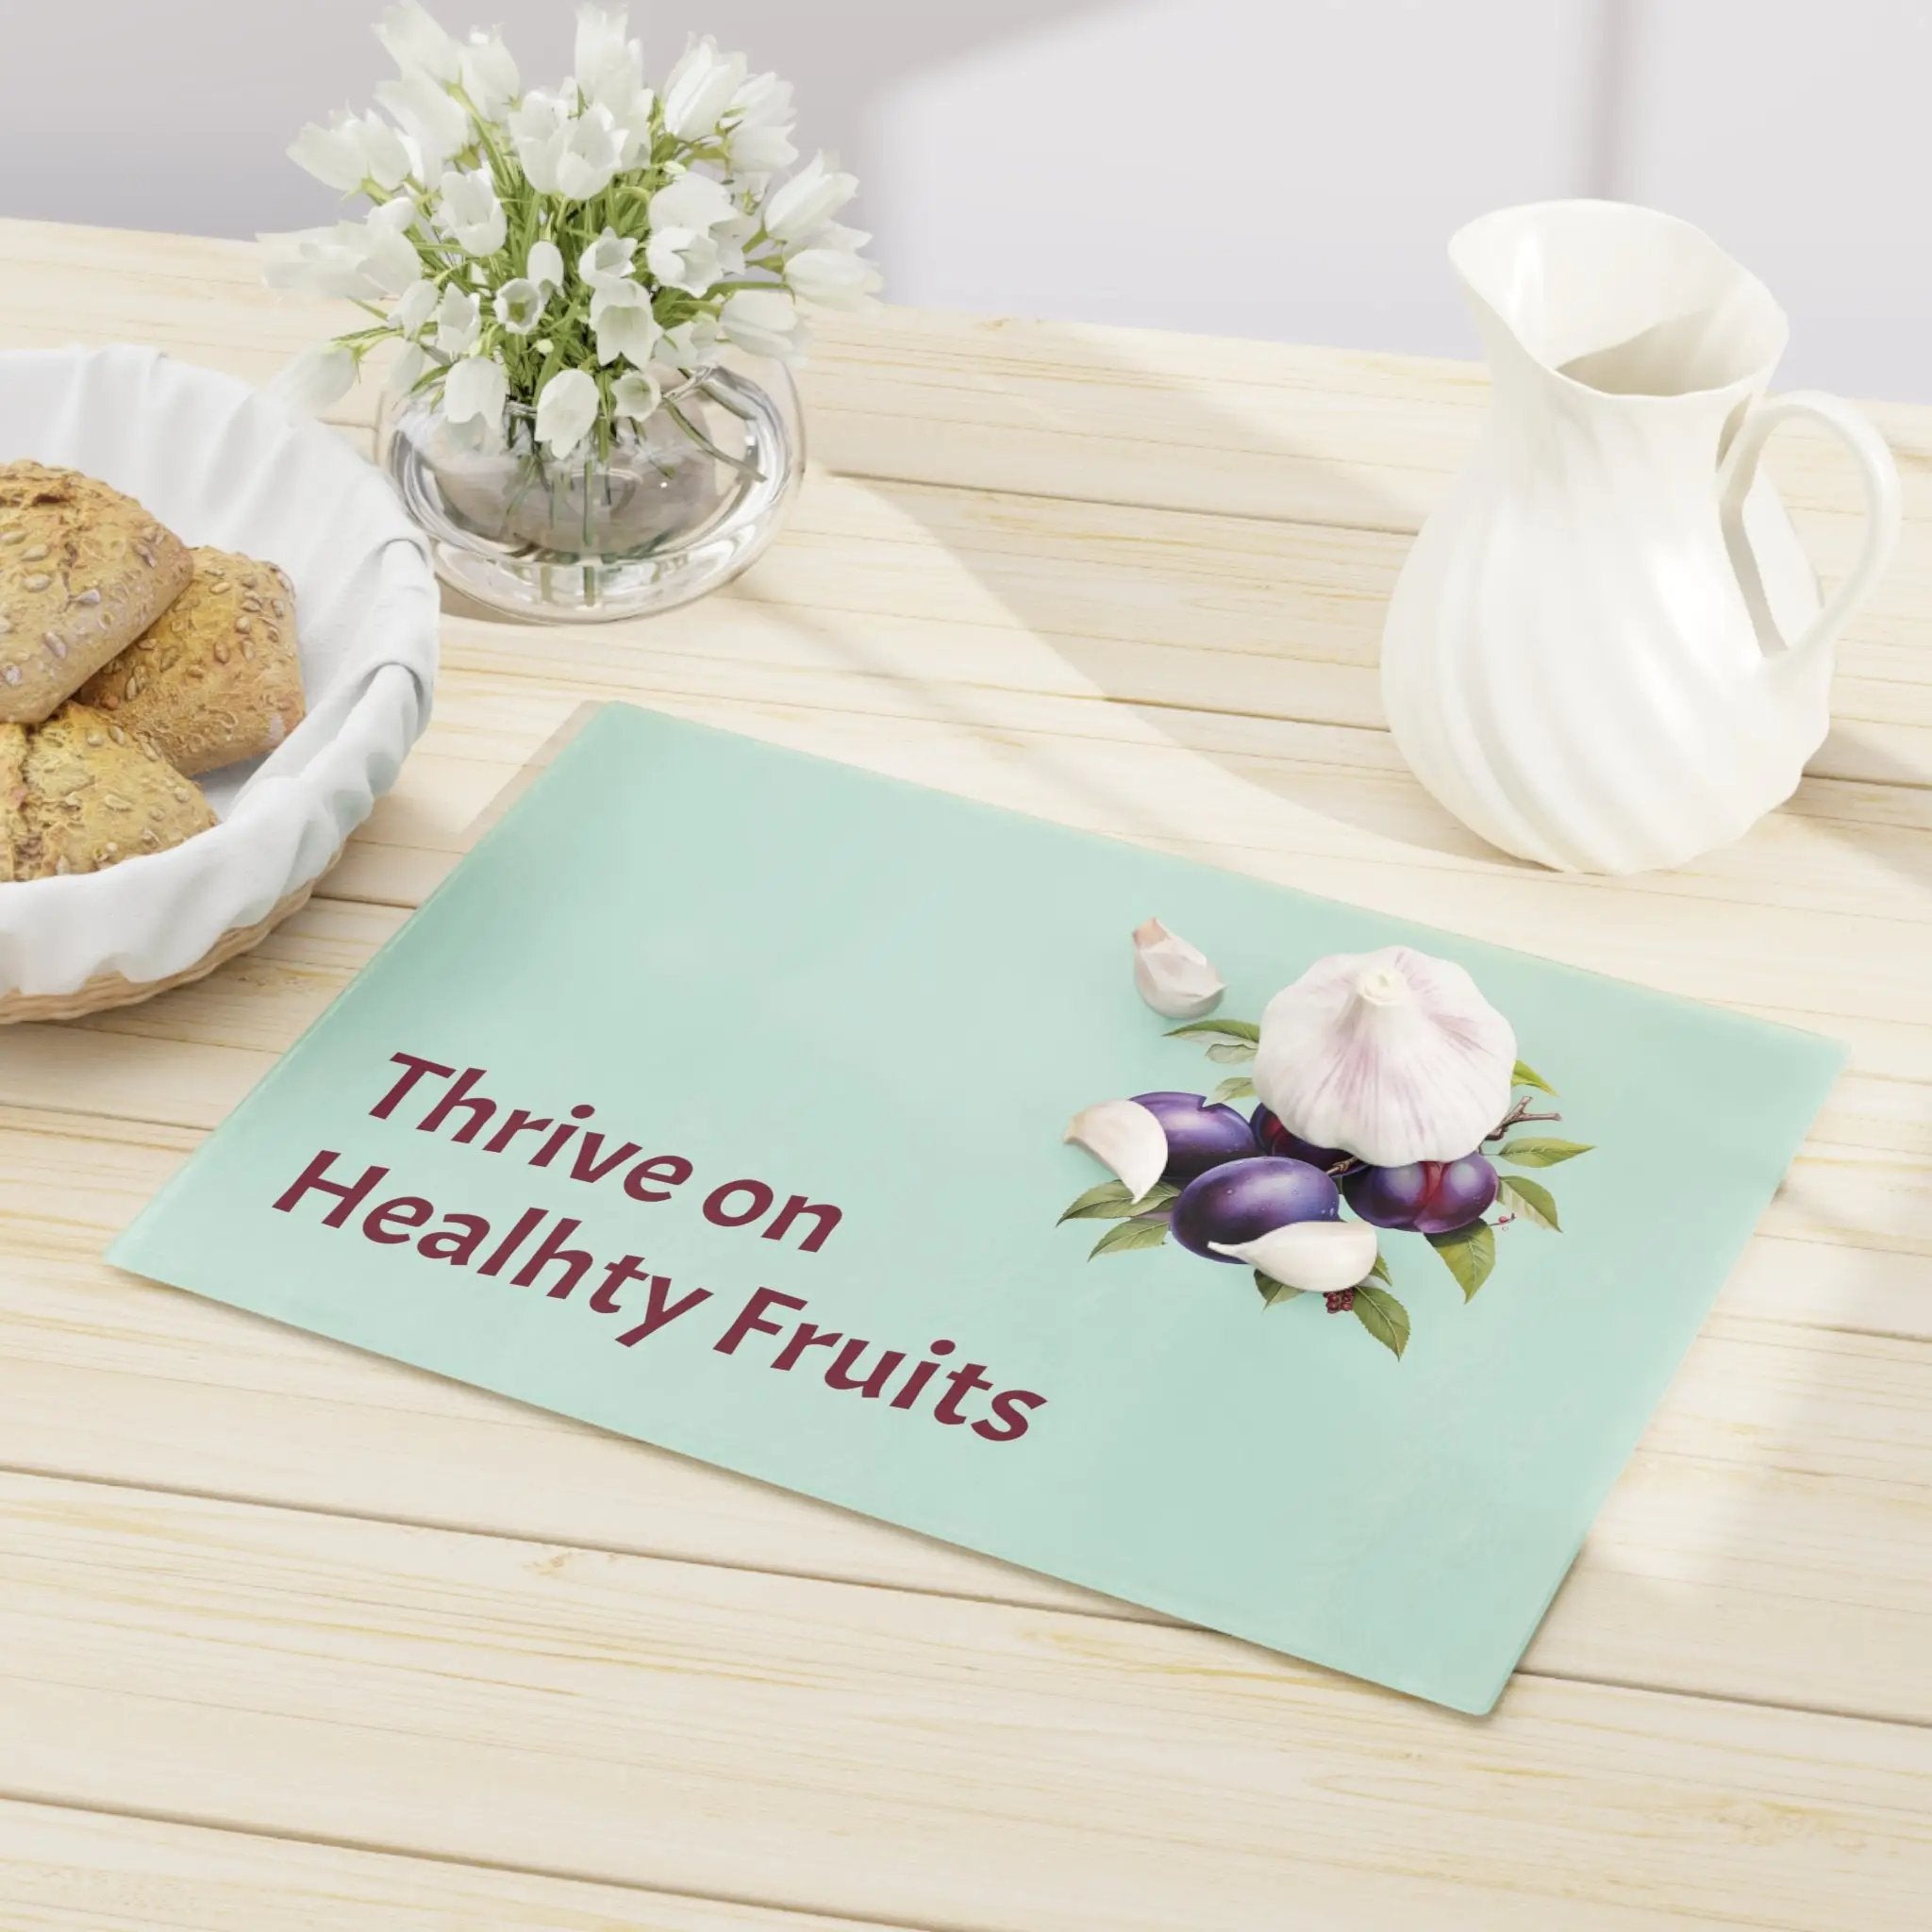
[[292, 1636]]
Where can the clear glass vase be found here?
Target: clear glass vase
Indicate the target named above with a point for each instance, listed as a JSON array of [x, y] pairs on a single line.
[[662, 517]]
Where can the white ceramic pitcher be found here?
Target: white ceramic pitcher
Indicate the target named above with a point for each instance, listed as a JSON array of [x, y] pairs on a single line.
[[1606, 651]]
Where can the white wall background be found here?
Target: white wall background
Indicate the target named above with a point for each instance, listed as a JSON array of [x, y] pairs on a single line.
[[1284, 168]]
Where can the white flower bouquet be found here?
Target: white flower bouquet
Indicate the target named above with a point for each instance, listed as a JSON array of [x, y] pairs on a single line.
[[581, 251]]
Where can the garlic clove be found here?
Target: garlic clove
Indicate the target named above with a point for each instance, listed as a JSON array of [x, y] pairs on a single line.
[[1126, 1136], [1177, 979], [1394, 1055], [1318, 1256]]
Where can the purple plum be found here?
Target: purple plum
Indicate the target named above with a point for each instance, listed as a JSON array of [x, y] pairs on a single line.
[[1271, 1137], [1427, 1196], [1199, 1135], [1244, 1199]]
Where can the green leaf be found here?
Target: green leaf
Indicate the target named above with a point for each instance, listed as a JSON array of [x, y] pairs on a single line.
[[1469, 1254], [1539, 1150], [1239, 1087], [1383, 1316], [1231, 1052], [1272, 1291], [1100, 1203], [1225, 1029], [1124, 1236], [1530, 1200], [1110, 1202], [1527, 1076], [1378, 1273]]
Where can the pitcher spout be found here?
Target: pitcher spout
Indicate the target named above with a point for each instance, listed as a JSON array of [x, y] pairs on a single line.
[[1609, 300]]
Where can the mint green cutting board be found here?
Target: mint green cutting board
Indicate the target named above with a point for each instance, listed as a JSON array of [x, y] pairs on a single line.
[[759, 967]]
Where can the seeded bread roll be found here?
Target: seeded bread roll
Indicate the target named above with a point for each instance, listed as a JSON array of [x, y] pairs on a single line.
[[215, 678], [78, 793], [83, 572], [12, 800]]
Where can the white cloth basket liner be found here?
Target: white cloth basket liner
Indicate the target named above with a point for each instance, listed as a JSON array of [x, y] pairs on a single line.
[[221, 463]]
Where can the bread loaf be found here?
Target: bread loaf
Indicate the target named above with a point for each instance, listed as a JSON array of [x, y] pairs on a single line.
[[12, 801], [79, 792], [216, 677], [83, 572]]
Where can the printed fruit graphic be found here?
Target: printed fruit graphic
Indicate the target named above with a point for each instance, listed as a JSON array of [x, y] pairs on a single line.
[[1200, 1134], [1395, 1053], [1271, 1137], [1427, 1196], [1242, 1200]]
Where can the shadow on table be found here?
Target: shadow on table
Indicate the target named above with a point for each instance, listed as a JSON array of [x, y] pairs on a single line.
[[1907, 858], [1225, 632]]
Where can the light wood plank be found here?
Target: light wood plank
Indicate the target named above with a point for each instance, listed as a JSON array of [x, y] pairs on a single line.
[[1843, 846], [1075, 409], [1228, 782], [1127, 418], [1208, 615], [67, 1871], [862, 1751], [1104, 415], [1785, 1460], [1741, 928]]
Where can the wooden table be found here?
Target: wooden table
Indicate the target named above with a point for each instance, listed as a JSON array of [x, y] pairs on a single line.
[[292, 1637]]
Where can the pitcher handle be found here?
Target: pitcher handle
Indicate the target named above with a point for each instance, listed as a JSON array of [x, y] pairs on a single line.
[[1876, 472]]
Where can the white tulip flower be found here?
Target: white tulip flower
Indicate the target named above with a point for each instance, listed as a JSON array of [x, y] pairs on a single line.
[[355, 259], [762, 322], [475, 391], [417, 42], [622, 320], [520, 305], [388, 256], [692, 200], [417, 306], [583, 155], [636, 393], [566, 408], [489, 72], [757, 128], [334, 159], [684, 258], [537, 125], [683, 251], [316, 379], [691, 344], [600, 40], [831, 277], [317, 262], [800, 207], [700, 87], [458, 320], [352, 149], [607, 258], [469, 212], [609, 72], [385, 154], [545, 265], [433, 118], [405, 369]]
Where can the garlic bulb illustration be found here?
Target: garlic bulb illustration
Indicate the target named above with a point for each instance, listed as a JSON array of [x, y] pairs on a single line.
[[1127, 1137], [1177, 979], [1318, 1256], [1393, 1056]]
